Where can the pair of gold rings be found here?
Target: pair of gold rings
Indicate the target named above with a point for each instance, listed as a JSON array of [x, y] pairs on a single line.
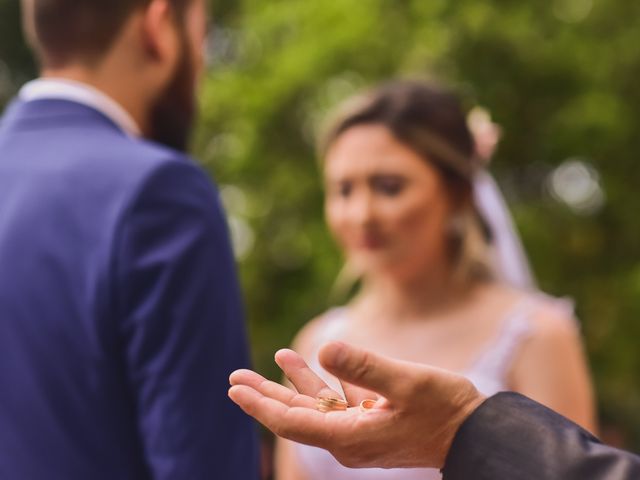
[[330, 404]]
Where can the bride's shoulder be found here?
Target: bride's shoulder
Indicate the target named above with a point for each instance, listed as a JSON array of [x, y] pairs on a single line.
[[546, 314], [306, 340]]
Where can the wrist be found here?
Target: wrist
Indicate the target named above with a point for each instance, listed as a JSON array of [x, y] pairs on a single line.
[[465, 410]]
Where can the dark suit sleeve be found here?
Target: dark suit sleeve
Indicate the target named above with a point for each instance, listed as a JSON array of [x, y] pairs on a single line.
[[182, 329], [512, 437]]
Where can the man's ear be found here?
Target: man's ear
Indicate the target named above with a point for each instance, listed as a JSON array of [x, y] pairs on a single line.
[[159, 30]]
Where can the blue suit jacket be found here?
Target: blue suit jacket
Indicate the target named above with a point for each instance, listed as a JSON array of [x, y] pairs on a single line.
[[120, 314]]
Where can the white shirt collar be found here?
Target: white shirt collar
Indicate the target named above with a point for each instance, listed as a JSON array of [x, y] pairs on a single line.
[[64, 89]]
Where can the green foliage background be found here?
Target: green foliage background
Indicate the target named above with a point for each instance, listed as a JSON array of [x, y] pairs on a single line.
[[561, 77]]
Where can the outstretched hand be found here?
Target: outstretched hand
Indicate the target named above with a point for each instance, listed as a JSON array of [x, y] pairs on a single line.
[[417, 413]]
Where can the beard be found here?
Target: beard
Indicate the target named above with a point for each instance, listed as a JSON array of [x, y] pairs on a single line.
[[173, 114]]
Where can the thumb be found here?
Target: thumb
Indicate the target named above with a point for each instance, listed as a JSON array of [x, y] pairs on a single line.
[[364, 369]]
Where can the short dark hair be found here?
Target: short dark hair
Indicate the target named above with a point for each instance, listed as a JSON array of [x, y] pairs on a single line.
[[65, 29]]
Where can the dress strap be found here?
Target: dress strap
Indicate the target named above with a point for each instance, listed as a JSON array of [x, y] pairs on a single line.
[[331, 328], [494, 363], [517, 326]]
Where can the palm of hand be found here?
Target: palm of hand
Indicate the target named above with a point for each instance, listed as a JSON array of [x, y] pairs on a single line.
[[412, 424]]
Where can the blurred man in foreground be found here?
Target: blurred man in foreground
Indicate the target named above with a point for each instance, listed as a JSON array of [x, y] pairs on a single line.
[[120, 316], [412, 415]]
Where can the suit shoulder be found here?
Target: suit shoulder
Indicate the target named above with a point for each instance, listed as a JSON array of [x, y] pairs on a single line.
[[131, 163], [137, 155]]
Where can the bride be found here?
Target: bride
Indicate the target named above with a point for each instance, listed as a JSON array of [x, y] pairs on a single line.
[[399, 169]]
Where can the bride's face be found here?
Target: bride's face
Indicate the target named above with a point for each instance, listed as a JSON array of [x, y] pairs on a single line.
[[387, 207]]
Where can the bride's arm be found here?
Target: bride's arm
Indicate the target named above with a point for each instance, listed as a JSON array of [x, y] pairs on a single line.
[[551, 368], [287, 466]]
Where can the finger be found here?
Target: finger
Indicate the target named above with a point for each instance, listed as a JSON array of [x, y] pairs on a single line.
[[302, 425], [367, 370], [245, 377], [271, 389], [302, 377]]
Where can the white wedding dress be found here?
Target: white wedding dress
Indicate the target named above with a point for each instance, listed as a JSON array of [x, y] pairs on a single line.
[[488, 373]]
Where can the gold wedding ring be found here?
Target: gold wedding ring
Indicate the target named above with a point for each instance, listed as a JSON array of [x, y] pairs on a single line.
[[367, 404], [329, 404]]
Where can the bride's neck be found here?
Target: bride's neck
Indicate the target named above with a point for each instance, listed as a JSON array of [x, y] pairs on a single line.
[[388, 297]]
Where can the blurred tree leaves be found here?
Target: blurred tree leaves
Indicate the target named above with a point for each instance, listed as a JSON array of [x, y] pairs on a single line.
[[559, 76], [16, 65]]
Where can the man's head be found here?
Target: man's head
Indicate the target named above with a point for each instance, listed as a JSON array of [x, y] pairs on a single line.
[[147, 54]]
